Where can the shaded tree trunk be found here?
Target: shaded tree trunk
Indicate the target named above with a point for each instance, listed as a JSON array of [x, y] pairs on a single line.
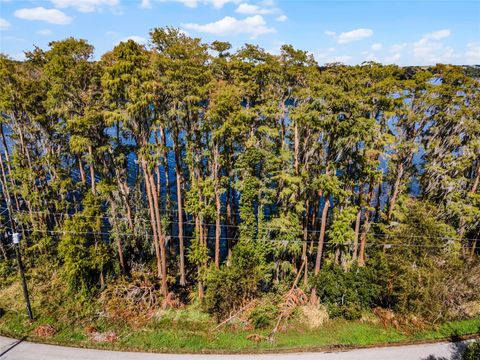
[[152, 219], [218, 205], [121, 258], [366, 227], [178, 174], [83, 178], [395, 191], [321, 238], [357, 225], [92, 170]]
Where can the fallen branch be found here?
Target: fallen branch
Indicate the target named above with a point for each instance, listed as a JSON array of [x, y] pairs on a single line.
[[235, 315], [293, 298]]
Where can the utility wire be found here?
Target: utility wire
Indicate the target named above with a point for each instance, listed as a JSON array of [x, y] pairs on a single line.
[[260, 228], [230, 238]]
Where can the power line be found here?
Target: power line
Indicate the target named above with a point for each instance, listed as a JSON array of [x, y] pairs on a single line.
[[230, 238], [260, 228]]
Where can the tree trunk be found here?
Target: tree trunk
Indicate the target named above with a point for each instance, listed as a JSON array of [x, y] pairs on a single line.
[[83, 178], [378, 199], [152, 219], [395, 191], [357, 225], [476, 181], [229, 223], [322, 234], [218, 205], [7, 160], [316, 209], [296, 148], [366, 227], [178, 174], [199, 233], [168, 195], [119, 242], [161, 236], [92, 169], [305, 240]]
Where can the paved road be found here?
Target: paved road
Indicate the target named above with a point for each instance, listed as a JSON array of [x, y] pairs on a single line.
[[21, 350]]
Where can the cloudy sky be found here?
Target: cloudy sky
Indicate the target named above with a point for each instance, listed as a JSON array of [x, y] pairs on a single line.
[[405, 32]]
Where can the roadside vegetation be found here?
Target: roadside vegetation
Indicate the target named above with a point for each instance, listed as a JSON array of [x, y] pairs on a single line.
[[183, 196]]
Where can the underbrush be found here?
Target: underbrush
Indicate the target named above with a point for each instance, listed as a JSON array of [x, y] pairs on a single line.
[[130, 314]]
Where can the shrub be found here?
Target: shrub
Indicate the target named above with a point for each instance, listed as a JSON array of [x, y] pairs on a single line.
[[7, 273], [350, 311], [263, 316], [472, 352], [347, 293], [229, 287]]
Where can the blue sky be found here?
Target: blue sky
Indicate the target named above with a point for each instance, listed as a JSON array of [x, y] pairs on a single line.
[[405, 32]]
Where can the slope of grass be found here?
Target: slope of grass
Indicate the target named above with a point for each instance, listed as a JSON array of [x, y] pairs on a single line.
[[189, 331]]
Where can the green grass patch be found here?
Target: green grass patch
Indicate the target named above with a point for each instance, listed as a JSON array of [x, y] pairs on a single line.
[[190, 330]]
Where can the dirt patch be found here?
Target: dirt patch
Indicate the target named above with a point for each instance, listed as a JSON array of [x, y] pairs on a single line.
[[256, 338], [45, 331], [386, 317], [108, 336]]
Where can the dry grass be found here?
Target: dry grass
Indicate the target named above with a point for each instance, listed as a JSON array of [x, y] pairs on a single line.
[[313, 315]]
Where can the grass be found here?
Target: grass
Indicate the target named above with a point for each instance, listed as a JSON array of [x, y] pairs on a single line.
[[190, 331]]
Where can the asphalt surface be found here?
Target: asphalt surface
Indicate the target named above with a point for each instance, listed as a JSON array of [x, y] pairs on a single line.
[[11, 349]]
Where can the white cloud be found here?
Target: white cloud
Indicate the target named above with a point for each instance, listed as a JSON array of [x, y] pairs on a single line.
[[110, 33], [252, 25], [350, 36], [472, 56], [395, 48], [249, 9], [429, 50], [326, 56], [138, 39], [19, 56], [188, 3], [52, 16], [218, 4], [146, 4], [84, 5], [376, 47], [392, 59], [341, 58], [44, 32], [371, 57], [4, 24], [275, 48], [324, 53], [281, 18], [437, 35]]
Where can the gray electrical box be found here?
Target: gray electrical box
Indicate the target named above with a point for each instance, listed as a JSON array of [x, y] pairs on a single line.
[[16, 238]]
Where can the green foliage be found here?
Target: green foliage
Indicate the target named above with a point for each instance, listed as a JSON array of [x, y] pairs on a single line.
[[420, 277], [263, 316], [7, 273], [83, 253], [260, 142], [472, 352], [347, 293], [229, 287]]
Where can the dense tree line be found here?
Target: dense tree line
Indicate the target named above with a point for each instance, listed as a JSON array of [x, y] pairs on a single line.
[[212, 167]]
